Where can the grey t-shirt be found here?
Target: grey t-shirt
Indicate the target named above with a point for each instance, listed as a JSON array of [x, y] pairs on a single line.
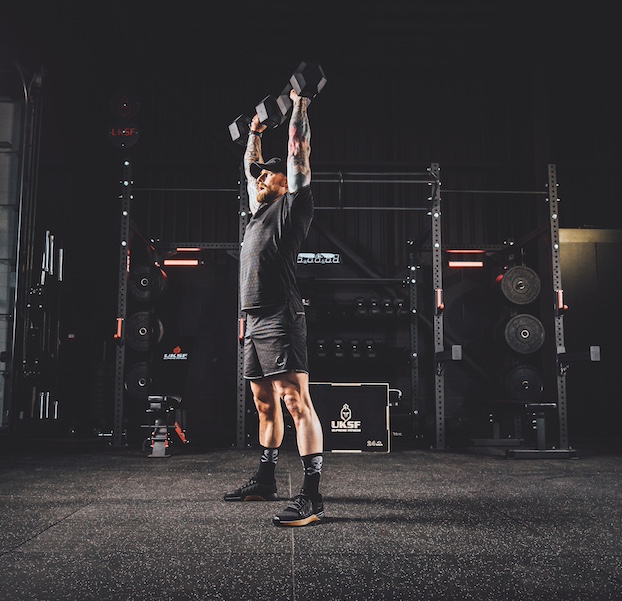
[[269, 252]]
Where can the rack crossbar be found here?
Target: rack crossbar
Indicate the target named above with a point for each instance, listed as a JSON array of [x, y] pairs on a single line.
[[363, 208], [317, 180], [534, 192]]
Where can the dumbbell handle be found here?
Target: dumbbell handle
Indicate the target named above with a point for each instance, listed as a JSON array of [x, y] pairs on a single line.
[[272, 110]]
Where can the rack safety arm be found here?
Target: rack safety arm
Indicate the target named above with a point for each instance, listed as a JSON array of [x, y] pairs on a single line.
[[119, 333], [560, 307], [439, 304]]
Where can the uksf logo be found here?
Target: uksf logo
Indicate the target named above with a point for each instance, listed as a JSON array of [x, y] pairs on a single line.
[[346, 423], [176, 355]]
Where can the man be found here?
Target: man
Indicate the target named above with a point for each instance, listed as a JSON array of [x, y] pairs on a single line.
[[275, 340]]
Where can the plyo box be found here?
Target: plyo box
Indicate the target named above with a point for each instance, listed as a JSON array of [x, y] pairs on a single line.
[[354, 415]]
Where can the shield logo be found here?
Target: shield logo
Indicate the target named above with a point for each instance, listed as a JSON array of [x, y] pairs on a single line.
[[346, 412]]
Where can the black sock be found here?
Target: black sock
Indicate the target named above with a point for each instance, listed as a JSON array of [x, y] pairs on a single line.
[[312, 465], [267, 465]]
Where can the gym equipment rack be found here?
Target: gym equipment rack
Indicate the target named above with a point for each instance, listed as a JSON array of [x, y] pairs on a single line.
[[430, 178]]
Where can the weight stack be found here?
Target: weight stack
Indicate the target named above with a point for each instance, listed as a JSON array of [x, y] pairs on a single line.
[[521, 335]]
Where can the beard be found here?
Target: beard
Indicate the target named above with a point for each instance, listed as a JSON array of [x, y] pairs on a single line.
[[267, 195]]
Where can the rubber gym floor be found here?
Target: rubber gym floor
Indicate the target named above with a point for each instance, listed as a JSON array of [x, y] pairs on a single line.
[[84, 521]]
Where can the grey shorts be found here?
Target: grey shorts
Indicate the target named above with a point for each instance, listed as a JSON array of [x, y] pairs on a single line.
[[275, 342]]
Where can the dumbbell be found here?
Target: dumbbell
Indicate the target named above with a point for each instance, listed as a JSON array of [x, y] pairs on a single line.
[[308, 80], [272, 111], [239, 129], [374, 310]]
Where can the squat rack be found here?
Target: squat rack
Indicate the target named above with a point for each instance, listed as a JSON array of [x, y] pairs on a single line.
[[423, 178], [562, 358], [430, 178], [126, 196]]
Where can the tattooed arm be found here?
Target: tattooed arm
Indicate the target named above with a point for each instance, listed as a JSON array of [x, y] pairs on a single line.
[[253, 155], [299, 147]]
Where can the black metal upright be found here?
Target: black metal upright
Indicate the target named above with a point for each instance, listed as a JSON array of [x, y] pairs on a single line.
[[563, 449], [414, 343], [437, 286], [559, 308], [123, 268], [241, 382]]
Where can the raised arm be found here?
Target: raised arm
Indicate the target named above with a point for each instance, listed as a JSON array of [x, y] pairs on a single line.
[[252, 155], [299, 145]]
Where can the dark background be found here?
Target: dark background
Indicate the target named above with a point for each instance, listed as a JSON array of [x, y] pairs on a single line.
[[493, 93]]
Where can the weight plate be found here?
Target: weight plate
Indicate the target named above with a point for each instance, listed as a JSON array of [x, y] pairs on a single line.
[[146, 282], [138, 380], [520, 285], [143, 331], [523, 383], [524, 333]]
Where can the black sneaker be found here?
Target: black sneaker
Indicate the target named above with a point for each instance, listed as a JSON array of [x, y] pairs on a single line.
[[300, 512], [253, 491]]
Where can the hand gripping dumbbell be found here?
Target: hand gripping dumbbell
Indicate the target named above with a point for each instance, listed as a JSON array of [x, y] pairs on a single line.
[[308, 80], [239, 129], [273, 110]]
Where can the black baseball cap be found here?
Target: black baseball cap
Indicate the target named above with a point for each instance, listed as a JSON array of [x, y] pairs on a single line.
[[275, 164]]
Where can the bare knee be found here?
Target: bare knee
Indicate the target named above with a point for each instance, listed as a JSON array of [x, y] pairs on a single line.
[[297, 403], [265, 407], [292, 402]]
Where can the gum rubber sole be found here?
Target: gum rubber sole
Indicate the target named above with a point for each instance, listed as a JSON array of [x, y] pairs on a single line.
[[316, 517]]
